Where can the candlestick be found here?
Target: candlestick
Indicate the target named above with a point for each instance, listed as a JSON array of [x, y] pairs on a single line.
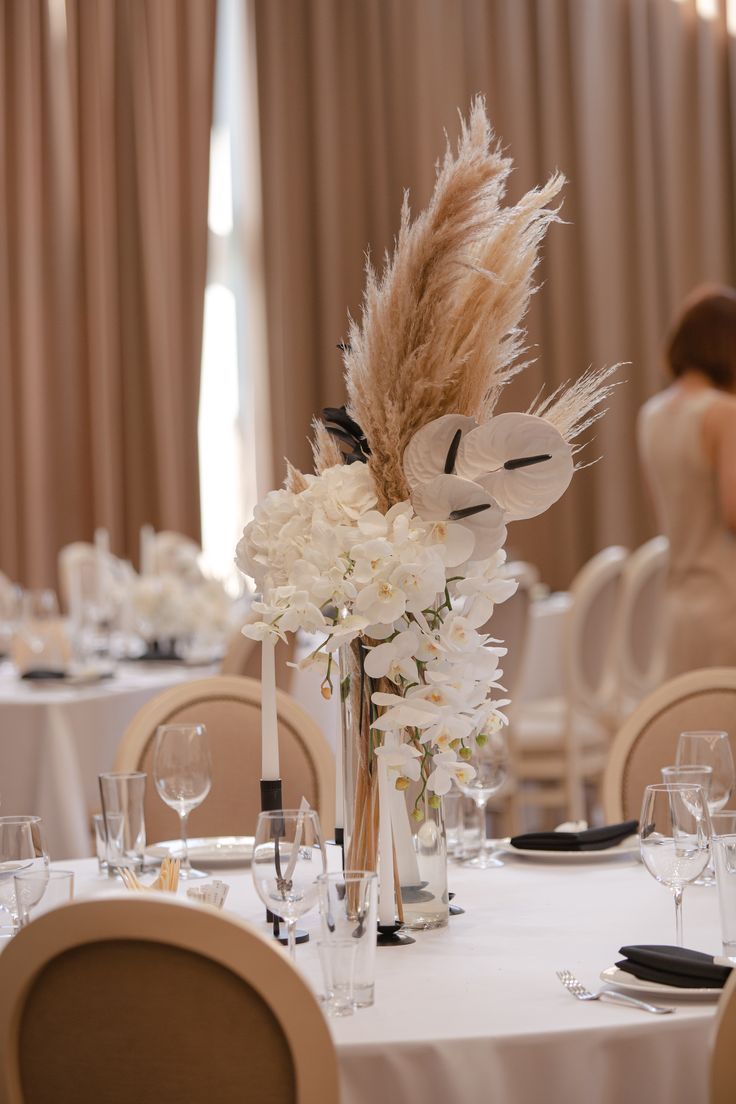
[[269, 717], [146, 549], [386, 905], [271, 801], [339, 780], [102, 553]]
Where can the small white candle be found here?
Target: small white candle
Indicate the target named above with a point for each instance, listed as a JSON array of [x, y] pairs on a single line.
[[146, 538], [102, 553], [339, 800], [386, 906], [269, 719]]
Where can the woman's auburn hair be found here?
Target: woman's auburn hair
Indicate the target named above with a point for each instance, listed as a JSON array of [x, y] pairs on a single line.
[[703, 336]]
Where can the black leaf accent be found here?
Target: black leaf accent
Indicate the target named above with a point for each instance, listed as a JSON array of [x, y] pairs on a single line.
[[339, 423], [452, 453], [526, 461], [468, 511]]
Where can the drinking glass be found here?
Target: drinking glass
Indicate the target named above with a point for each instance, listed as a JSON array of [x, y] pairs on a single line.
[[109, 838], [723, 843], [698, 776], [288, 857], [338, 958], [22, 848], [674, 837], [39, 891], [348, 906], [122, 794], [491, 762], [182, 771]]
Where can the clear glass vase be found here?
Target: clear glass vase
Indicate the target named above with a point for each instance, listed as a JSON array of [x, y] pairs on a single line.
[[420, 842]]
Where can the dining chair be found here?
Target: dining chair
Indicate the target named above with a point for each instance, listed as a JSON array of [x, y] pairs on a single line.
[[640, 644], [723, 1057], [230, 707], [243, 657], [157, 1001], [696, 701], [560, 744]]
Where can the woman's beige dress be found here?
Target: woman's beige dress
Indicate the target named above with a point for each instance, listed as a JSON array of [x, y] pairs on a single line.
[[701, 586]]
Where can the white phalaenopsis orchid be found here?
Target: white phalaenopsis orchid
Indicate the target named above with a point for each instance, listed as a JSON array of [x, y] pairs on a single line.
[[414, 586]]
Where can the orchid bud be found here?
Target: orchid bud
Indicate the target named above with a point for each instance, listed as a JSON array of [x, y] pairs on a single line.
[[402, 782], [481, 739], [435, 801], [455, 744], [465, 753], [326, 691], [417, 815]]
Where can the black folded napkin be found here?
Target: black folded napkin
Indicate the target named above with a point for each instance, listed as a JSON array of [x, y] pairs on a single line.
[[43, 673], [674, 966], [592, 839]]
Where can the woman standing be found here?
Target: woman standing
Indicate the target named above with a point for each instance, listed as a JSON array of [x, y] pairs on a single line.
[[687, 444]]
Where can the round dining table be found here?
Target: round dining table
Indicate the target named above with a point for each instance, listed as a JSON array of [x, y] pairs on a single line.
[[474, 1012]]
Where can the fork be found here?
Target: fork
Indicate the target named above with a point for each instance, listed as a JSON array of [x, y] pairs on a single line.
[[578, 990]]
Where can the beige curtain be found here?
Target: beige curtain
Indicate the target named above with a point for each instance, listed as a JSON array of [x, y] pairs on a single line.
[[104, 140], [635, 100]]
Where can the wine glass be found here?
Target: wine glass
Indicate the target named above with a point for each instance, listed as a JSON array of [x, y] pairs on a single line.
[[182, 771], [490, 757], [22, 848], [710, 749], [674, 837], [288, 857]]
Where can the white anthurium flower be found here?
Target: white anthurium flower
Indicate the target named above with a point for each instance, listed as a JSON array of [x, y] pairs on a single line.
[[345, 631], [393, 659], [433, 448], [522, 460], [381, 601], [420, 582], [453, 504], [402, 759], [448, 768], [442, 734]]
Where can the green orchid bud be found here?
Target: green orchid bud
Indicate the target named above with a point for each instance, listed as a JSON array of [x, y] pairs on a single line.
[[402, 783], [465, 753], [417, 815], [435, 801], [481, 739]]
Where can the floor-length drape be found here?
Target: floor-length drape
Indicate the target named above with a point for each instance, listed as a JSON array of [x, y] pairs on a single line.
[[105, 110], [635, 100]]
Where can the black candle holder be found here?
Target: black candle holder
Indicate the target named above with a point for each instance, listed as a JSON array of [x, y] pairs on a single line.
[[454, 910], [340, 841], [393, 935], [271, 800]]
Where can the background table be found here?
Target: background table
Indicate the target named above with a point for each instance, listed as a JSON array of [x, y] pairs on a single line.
[[55, 740], [474, 1012]]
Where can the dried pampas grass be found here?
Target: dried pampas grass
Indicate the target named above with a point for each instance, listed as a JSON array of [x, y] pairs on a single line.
[[440, 330], [571, 408]]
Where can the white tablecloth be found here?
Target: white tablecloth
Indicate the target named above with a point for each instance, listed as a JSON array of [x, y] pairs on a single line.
[[55, 740], [473, 1012]]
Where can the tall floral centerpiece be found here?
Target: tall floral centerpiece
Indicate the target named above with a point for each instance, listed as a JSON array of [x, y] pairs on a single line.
[[393, 550]]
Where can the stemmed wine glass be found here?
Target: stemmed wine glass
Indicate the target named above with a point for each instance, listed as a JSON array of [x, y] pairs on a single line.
[[288, 857], [490, 757], [22, 848], [674, 837], [182, 771], [710, 749]]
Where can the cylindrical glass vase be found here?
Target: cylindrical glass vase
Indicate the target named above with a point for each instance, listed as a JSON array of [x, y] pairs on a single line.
[[420, 843]]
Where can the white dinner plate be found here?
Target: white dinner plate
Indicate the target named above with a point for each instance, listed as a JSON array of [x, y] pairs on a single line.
[[629, 849], [208, 851], [639, 987]]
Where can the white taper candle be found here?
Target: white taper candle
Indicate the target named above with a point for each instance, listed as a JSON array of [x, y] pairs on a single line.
[[339, 766], [146, 549], [269, 718], [386, 904]]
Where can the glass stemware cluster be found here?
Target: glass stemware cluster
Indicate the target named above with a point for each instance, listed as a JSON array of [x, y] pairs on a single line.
[[22, 850], [675, 825]]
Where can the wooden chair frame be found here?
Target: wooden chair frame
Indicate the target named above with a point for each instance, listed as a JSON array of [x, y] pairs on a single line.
[[201, 930], [644, 567], [707, 680], [723, 1059], [245, 691]]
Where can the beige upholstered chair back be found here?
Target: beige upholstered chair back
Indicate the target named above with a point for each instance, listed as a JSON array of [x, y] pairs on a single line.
[[723, 1060], [591, 631], [698, 700], [243, 657], [157, 1002], [230, 707], [640, 646], [510, 623]]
